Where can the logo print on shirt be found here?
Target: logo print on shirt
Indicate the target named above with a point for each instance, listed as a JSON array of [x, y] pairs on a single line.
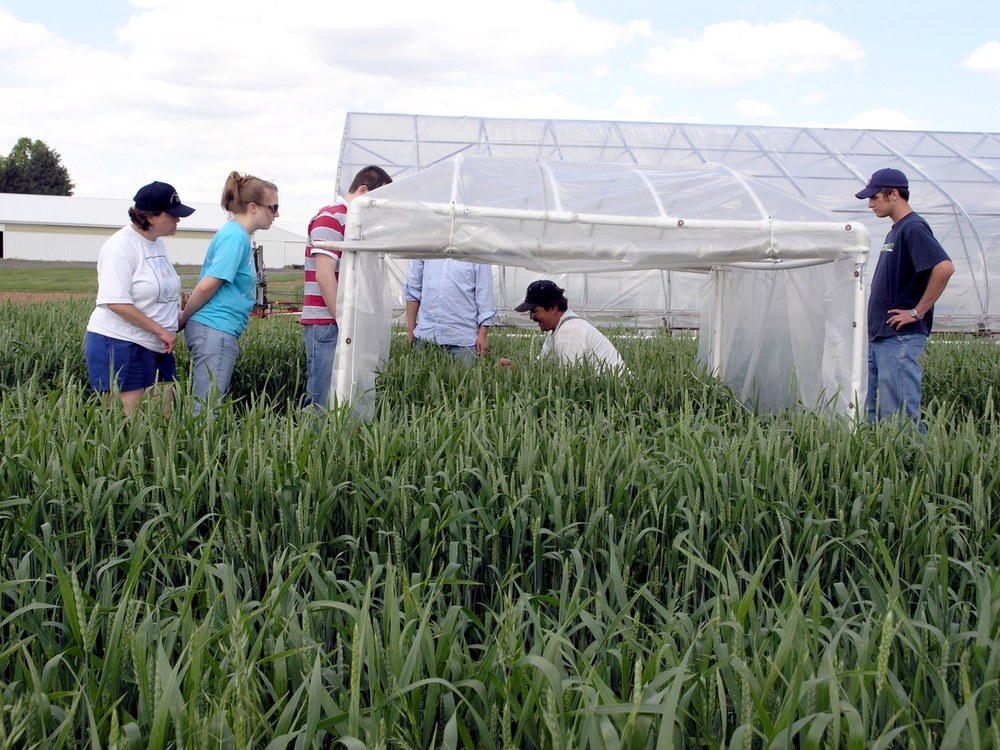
[[887, 247]]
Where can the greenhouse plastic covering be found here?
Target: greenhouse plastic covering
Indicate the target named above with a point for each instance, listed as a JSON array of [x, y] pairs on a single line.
[[954, 180], [772, 253]]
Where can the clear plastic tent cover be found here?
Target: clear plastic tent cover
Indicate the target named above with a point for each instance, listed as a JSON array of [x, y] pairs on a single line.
[[773, 256], [954, 180], [574, 217]]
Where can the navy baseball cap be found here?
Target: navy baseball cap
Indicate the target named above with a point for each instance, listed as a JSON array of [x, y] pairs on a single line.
[[158, 197], [884, 178], [544, 293]]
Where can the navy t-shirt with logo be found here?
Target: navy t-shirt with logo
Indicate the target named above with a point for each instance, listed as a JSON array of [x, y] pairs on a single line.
[[904, 266]]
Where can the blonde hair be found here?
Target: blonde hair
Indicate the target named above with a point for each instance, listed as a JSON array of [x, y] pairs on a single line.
[[241, 190]]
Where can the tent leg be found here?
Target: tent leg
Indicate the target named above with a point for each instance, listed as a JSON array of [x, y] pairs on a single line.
[[859, 360], [364, 320], [717, 325]]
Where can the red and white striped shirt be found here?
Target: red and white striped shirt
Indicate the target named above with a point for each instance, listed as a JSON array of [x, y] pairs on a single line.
[[328, 224]]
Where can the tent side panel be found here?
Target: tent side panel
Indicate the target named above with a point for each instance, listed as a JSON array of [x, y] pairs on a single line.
[[787, 337]]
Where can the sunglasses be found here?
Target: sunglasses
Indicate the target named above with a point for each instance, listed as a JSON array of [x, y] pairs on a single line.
[[272, 207]]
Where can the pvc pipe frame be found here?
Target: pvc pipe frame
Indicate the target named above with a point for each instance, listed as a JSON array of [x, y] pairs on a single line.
[[767, 225]]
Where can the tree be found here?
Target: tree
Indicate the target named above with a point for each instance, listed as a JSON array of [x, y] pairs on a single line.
[[32, 167]]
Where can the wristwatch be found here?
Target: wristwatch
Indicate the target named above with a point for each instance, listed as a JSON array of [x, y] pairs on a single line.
[[915, 315]]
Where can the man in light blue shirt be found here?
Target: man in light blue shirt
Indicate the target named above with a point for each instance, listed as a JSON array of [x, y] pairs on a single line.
[[450, 303]]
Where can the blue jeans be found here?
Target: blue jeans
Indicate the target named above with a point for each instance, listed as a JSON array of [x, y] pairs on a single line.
[[894, 378], [321, 346], [466, 354], [213, 359]]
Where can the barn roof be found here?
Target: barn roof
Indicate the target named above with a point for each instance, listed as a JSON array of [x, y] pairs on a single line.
[[73, 211]]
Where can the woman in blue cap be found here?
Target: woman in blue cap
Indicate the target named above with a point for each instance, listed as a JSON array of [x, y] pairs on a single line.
[[132, 333]]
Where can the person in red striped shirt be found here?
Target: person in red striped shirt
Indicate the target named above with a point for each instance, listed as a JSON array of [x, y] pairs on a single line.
[[319, 301]]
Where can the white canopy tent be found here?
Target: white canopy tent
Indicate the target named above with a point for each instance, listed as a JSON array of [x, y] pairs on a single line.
[[783, 317]]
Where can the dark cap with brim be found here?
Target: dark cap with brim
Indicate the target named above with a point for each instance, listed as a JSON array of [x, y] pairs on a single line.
[[545, 293], [882, 179], [159, 197]]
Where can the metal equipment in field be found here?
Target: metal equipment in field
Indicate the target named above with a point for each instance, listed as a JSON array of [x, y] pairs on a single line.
[[263, 304]]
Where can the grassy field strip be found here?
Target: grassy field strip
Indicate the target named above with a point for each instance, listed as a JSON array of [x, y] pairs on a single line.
[[523, 558]]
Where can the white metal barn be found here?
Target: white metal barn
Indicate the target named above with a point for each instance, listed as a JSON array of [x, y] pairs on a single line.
[[67, 228], [954, 183]]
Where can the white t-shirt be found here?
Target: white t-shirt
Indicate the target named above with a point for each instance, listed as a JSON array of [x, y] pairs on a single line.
[[575, 339], [132, 269]]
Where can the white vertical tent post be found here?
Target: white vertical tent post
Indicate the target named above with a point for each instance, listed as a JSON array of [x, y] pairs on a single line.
[[364, 318], [718, 280], [859, 360], [341, 379]]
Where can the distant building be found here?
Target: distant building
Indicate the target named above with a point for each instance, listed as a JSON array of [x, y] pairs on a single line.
[[53, 227]]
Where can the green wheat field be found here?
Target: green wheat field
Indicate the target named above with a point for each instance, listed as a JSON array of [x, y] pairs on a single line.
[[526, 558]]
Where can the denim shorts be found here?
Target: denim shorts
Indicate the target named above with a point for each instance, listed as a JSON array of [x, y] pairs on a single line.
[[132, 367]]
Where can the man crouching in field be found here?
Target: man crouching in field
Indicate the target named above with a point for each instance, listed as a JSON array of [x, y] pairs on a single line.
[[568, 337]]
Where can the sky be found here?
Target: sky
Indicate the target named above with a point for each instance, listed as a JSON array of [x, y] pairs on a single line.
[[185, 91]]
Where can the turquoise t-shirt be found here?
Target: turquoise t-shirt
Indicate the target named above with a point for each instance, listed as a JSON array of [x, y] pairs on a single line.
[[230, 258]]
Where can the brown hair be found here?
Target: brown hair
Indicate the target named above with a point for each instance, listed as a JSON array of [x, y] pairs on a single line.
[[371, 177], [904, 193], [141, 218], [241, 190]]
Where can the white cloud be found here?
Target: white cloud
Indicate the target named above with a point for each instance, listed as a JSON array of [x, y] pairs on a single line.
[[883, 119], [191, 89], [811, 100], [196, 89], [19, 36], [738, 52], [985, 59], [756, 112], [436, 39], [630, 105]]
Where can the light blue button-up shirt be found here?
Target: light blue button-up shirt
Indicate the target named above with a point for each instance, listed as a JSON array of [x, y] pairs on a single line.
[[456, 298]]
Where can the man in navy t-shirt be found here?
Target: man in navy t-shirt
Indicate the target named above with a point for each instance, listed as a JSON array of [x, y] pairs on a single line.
[[912, 272]]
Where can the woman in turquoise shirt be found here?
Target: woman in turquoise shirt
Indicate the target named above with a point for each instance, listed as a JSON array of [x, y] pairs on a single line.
[[218, 310]]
